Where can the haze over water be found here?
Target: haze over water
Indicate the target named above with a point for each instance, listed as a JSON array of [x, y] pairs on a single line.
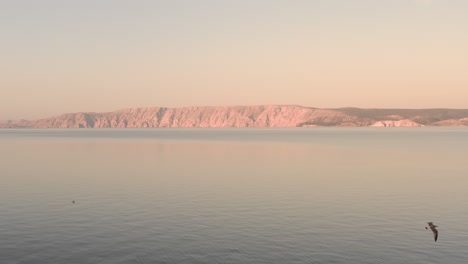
[[320, 195]]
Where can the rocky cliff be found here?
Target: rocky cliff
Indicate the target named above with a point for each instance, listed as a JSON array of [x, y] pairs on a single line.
[[250, 116]]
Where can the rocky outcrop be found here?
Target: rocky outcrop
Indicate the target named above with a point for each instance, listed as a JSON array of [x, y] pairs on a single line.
[[13, 123], [397, 123], [250, 116], [453, 122]]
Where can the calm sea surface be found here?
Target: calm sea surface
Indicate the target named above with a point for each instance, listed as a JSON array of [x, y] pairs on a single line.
[[318, 195]]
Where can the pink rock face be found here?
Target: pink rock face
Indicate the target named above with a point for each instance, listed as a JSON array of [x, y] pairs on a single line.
[[398, 123], [250, 116], [453, 122]]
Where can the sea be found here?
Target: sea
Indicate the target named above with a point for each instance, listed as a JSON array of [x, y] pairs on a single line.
[[234, 195]]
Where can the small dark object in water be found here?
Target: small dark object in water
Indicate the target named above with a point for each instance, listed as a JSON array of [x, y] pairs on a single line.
[[73, 201]]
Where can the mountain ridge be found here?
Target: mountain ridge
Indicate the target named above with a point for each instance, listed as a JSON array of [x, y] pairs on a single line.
[[250, 116]]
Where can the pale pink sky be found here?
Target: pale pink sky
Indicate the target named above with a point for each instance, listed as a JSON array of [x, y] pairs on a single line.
[[69, 56]]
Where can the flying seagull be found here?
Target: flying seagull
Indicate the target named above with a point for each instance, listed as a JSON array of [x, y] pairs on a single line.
[[434, 230]]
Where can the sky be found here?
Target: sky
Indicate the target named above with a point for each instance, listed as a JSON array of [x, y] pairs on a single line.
[[61, 56]]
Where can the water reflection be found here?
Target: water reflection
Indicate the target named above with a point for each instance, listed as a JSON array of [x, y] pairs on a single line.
[[347, 196]]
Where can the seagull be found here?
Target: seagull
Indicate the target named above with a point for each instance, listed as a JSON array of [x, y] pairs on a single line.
[[434, 230]]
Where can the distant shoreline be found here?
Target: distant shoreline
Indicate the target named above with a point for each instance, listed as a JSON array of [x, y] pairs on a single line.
[[260, 116]]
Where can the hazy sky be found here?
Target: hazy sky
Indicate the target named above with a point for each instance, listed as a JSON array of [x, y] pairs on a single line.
[[96, 55]]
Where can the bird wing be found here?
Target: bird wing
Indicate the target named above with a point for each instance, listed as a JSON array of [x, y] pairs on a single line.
[[436, 233]]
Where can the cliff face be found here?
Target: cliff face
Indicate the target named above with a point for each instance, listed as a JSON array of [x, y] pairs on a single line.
[[250, 116], [397, 123]]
